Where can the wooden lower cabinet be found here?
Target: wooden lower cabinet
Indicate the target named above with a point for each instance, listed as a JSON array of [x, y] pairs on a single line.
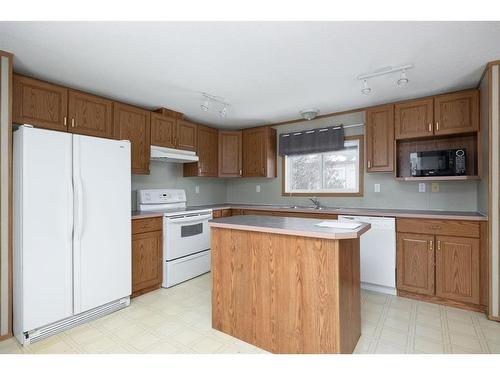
[[221, 213], [438, 267], [147, 255], [415, 263], [457, 268]]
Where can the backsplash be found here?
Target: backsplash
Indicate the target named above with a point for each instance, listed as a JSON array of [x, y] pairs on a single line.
[[169, 175], [452, 195]]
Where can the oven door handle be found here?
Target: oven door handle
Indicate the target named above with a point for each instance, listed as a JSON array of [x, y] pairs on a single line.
[[189, 219]]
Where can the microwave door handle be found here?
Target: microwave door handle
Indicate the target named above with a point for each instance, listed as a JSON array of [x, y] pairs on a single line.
[[190, 219]]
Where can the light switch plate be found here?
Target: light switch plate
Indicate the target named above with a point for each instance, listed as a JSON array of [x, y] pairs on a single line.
[[197, 189], [257, 188], [435, 187], [421, 187], [376, 188]]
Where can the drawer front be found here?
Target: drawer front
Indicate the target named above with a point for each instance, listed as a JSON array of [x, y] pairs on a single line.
[[147, 225], [226, 213], [440, 227], [216, 213]]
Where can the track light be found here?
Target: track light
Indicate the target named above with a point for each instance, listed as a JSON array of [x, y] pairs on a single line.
[[366, 90], [204, 106], [403, 80], [223, 112]]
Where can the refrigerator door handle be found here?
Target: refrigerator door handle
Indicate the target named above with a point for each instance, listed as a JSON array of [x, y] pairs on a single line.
[[77, 180]]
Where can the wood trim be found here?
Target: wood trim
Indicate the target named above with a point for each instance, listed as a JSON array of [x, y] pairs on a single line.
[[442, 301], [361, 175]]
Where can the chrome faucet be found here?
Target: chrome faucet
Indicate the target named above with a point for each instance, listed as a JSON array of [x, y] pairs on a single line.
[[316, 203]]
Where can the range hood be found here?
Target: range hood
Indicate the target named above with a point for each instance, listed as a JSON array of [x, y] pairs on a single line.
[[172, 155]]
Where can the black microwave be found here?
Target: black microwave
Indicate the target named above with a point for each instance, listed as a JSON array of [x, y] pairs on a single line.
[[438, 163]]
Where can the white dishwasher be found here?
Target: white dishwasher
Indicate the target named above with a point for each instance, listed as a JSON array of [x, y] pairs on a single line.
[[377, 253]]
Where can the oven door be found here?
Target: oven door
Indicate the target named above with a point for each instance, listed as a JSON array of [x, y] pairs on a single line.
[[185, 235]]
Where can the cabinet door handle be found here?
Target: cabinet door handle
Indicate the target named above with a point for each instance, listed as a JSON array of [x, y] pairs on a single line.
[[65, 121], [434, 227], [240, 172], [437, 125], [369, 164], [431, 245], [430, 126], [439, 245], [72, 122]]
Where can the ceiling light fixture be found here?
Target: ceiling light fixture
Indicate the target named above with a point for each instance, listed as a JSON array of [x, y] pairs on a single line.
[[403, 80], [309, 114], [366, 90], [219, 101]]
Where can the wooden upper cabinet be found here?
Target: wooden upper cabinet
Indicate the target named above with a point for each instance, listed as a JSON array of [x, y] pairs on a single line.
[[457, 269], [186, 136], [90, 115], [259, 152], [380, 139], [415, 263], [414, 119], [39, 103], [456, 113], [163, 130], [207, 154], [230, 153], [133, 123]]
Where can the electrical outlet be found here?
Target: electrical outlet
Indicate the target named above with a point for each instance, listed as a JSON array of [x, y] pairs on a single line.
[[435, 187], [421, 187], [376, 188], [197, 189], [257, 188]]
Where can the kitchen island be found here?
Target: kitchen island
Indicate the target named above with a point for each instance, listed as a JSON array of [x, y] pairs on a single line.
[[285, 284]]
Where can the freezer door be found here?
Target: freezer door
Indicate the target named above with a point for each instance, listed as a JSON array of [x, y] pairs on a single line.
[[43, 218], [102, 236]]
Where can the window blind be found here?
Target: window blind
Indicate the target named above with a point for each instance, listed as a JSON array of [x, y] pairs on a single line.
[[311, 141]]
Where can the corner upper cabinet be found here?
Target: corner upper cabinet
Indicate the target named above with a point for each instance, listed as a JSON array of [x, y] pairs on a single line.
[[163, 130], [133, 123], [456, 113], [414, 119], [39, 103], [259, 152], [230, 153], [89, 115], [186, 136], [207, 153], [380, 139]]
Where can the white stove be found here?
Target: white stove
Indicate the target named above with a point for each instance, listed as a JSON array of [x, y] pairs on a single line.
[[186, 235]]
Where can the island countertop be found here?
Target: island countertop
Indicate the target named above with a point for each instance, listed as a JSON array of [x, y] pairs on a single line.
[[287, 225]]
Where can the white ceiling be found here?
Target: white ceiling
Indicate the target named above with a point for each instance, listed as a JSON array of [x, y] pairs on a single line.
[[267, 71]]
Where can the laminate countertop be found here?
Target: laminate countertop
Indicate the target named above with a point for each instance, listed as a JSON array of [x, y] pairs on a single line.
[[407, 213], [403, 213], [287, 225]]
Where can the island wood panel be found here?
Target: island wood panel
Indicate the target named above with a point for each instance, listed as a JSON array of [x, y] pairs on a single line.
[[39, 103], [415, 263], [468, 142], [133, 123], [457, 269], [90, 115], [163, 130], [230, 153], [380, 139], [282, 293], [414, 118], [457, 112]]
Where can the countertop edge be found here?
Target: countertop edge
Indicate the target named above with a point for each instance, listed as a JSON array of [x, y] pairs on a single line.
[[264, 229]]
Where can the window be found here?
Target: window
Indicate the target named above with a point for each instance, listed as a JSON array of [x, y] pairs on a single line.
[[326, 173]]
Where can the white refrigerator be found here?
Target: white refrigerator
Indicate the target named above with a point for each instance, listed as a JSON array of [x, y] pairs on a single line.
[[72, 230]]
